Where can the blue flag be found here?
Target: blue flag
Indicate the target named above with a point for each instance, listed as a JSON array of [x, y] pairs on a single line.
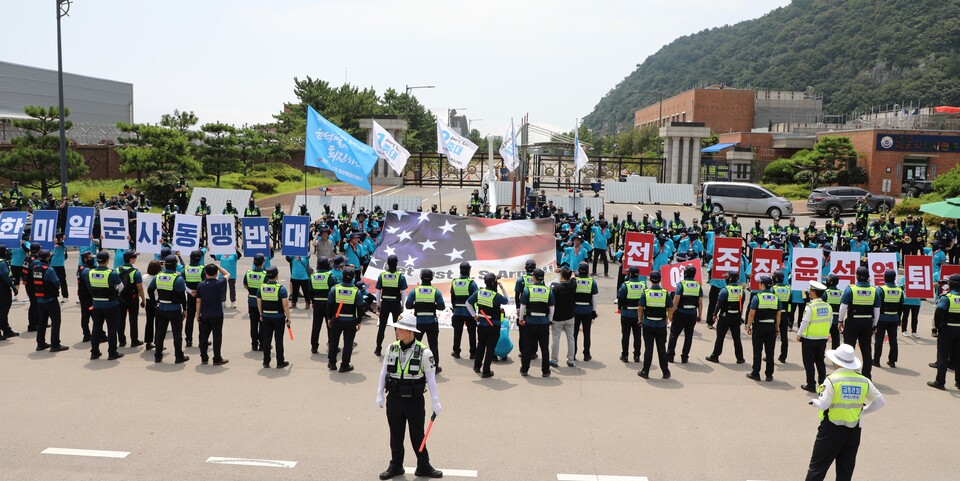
[[296, 235], [44, 228], [330, 148], [12, 224], [79, 226], [256, 236]]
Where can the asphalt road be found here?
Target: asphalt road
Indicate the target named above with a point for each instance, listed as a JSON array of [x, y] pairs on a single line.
[[594, 420]]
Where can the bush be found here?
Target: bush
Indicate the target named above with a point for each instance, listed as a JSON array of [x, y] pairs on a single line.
[[276, 170], [790, 191], [263, 185], [243, 186], [912, 206], [780, 172], [948, 184], [159, 186]]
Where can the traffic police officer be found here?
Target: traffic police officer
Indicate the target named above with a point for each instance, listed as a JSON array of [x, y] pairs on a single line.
[[192, 274], [628, 298], [102, 283], [891, 307], [489, 303], [536, 310], [833, 298], [408, 367], [686, 315], [46, 288], [320, 283], [947, 321], [425, 301], [170, 291], [390, 287], [460, 289], [844, 398], [765, 312], [859, 311], [585, 310], [812, 335], [729, 318], [345, 304], [652, 308], [252, 281], [274, 313]]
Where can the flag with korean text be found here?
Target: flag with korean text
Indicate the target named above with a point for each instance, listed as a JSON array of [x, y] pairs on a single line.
[[79, 226], [764, 263], [509, 150], [221, 238], [329, 147], [726, 256], [296, 233], [149, 230], [672, 274], [186, 233], [807, 266], [256, 236], [918, 277], [844, 266], [879, 262], [389, 149], [44, 228], [114, 229], [439, 242], [12, 224], [458, 150], [638, 251]]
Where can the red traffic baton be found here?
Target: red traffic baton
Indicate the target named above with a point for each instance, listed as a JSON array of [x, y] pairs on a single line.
[[338, 310], [485, 316], [290, 331], [427, 434]]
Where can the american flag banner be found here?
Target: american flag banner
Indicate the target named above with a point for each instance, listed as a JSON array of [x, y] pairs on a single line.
[[422, 240]]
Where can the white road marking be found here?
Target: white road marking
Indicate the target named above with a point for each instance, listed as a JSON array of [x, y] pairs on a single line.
[[86, 452], [461, 473], [638, 208], [598, 477], [267, 463]]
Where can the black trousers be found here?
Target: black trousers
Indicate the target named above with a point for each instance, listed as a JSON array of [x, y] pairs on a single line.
[[728, 322], [348, 329], [784, 332], [599, 254], [49, 310], [586, 322], [191, 315], [33, 314], [272, 329], [6, 300], [106, 316], [629, 325], [401, 413], [210, 325], [319, 319], [681, 323], [911, 312], [860, 331], [458, 323], [538, 335], [232, 287], [813, 351], [61, 272], [151, 314], [86, 310], [838, 443], [712, 299], [173, 319], [388, 310], [948, 349], [764, 339], [298, 285], [254, 312], [835, 340], [886, 329], [128, 311], [655, 336], [487, 338], [432, 331]]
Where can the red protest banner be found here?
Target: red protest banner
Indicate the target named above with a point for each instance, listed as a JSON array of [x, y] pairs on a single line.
[[918, 277], [638, 251], [726, 256], [673, 274], [947, 270], [764, 262]]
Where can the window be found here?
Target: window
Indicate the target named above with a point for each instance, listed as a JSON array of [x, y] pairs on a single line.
[[684, 117]]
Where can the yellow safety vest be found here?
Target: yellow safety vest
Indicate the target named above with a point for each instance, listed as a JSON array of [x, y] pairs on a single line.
[[821, 317], [849, 395]]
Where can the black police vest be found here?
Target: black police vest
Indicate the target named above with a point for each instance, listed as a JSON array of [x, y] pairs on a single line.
[[390, 293], [41, 289]]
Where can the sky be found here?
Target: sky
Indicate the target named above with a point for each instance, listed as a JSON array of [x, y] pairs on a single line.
[[234, 61]]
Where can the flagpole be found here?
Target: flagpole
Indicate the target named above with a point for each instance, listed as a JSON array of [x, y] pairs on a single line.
[[440, 181]]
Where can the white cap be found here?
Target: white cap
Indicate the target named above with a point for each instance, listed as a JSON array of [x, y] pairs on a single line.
[[844, 356], [817, 286], [405, 324]]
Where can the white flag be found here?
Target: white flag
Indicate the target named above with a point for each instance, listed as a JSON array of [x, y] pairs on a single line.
[[388, 148], [508, 149], [579, 156], [458, 150]]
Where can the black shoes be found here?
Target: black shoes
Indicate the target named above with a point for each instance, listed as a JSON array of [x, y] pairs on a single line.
[[266, 365], [623, 358], [755, 377], [346, 368], [741, 361], [42, 347], [768, 378], [332, 366], [86, 338], [476, 369], [182, 360], [487, 374], [455, 354], [314, 350], [523, 373], [636, 358], [377, 352], [587, 357], [891, 364], [59, 348], [136, 343], [439, 369], [782, 359], [809, 388], [713, 359], [114, 357], [937, 385], [644, 374], [876, 363], [204, 360], [189, 343], [546, 373], [221, 362], [684, 359], [666, 375], [428, 473], [391, 472], [281, 365]]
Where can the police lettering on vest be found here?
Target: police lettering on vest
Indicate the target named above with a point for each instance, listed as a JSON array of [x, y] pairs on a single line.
[[344, 296], [892, 300], [953, 313], [193, 275], [390, 281], [734, 294], [767, 306], [425, 301], [584, 295], [165, 287], [254, 280], [783, 294], [270, 298], [849, 394], [485, 301], [691, 294], [821, 316], [99, 280], [320, 283], [635, 291], [863, 301], [461, 291], [655, 299]]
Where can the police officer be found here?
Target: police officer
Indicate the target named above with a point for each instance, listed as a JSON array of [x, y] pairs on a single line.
[[26, 272], [585, 310], [192, 274], [102, 283], [947, 321], [653, 309], [812, 335], [891, 307], [274, 313], [833, 298], [628, 298], [320, 283], [131, 300], [518, 289], [252, 210], [408, 367], [170, 291], [390, 287], [487, 318], [460, 289], [252, 281], [686, 314], [536, 310], [425, 301], [859, 311], [729, 318], [782, 290], [764, 312], [46, 288], [844, 398], [345, 304], [8, 290]]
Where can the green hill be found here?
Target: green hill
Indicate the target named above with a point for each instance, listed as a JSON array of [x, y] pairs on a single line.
[[858, 53]]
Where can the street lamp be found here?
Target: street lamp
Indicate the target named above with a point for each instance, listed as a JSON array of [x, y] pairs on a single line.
[[63, 8], [470, 123], [407, 89]]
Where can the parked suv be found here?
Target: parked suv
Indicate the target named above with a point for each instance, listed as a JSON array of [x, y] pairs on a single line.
[[917, 187], [831, 201], [745, 198]]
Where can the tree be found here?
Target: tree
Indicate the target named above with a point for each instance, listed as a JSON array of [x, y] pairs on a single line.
[[35, 158], [421, 135], [343, 107], [219, 152], [162, 153], [832, 160], [258, 144], [181, 121]]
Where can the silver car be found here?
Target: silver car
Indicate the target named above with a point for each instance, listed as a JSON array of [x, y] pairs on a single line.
[[745, 198]]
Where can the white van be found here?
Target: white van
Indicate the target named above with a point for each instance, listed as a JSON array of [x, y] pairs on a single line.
[[744, 198]]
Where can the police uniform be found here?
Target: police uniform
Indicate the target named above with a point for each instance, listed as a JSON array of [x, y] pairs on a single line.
[[425, 302], [861, 300], [26, 272], [537, 306], [320, 284], [129, 307], [252, 280], [947, 322], [345, 305], [46, 287], [489, 303], [891, 306], [655, 303], [192, 274], [685, 318], [391, 286], [786, 317], [170, 289], [585, 312], [628, 299], [102, 284], [729, 319], [766, 305], [518, 289], [460, 290], [7, 289], [271, 297], [814, 331], [833, 298]]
